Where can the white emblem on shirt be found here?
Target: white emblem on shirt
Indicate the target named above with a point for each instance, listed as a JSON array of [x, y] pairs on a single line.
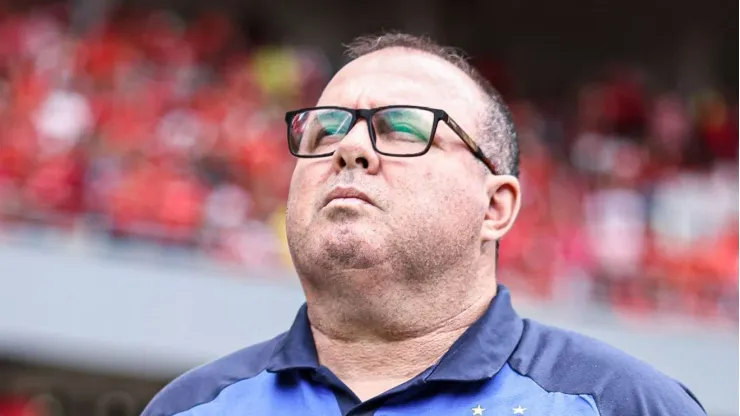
[[478, 411], [519, 410]]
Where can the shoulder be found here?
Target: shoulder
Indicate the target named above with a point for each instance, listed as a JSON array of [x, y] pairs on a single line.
[[564, 361], [203, 384]]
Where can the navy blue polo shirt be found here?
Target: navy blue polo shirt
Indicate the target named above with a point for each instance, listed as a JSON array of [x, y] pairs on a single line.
[[502, 365]]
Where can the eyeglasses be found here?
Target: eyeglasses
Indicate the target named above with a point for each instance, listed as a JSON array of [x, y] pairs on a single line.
[[398, 130]]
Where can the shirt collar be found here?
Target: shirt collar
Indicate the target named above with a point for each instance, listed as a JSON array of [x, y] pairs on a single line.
[[484, 348], [478, 354], [297, 349]]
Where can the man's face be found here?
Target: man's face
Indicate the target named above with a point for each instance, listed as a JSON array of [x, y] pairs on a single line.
[[425, 213]]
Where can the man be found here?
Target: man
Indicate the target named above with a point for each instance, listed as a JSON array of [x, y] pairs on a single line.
[[393, 220]]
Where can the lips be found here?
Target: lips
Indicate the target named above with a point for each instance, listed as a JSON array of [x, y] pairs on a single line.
[[341, 192]]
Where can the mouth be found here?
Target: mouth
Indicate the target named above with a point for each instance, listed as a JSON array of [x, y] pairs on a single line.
[[347, 196]]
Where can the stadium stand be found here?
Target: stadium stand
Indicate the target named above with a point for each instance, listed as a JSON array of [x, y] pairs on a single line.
[[153, 130]]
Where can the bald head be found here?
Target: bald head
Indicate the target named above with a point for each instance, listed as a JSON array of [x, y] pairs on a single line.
[[497, 135], [381, 77], [431, 68]]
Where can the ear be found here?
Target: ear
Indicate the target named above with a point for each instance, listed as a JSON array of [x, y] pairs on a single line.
[[504, 196]]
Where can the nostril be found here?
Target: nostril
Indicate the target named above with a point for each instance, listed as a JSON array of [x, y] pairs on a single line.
[[363, 161]]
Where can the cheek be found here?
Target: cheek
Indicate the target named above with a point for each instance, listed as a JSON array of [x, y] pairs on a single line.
[[304, 186], [434, 193], [452, 197], [429, 175]]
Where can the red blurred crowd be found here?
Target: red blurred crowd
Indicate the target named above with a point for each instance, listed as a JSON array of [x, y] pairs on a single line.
[[151, 129], [631, 196]]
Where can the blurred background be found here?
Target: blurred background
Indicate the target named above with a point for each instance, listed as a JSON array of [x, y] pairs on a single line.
[[144, 170]]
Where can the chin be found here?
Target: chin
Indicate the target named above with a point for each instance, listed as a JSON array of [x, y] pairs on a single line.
[[341, 258], [351, 247], [336, 239]]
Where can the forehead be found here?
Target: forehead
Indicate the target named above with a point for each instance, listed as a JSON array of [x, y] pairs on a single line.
[[398, 76]]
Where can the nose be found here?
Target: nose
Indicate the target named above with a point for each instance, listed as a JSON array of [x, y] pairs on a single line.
[[355, 150]]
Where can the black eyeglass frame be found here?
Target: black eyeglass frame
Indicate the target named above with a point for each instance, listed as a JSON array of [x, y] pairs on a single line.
[[367, 114]]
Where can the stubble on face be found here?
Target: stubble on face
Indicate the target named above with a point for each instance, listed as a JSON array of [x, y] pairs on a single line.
[[425, 223]]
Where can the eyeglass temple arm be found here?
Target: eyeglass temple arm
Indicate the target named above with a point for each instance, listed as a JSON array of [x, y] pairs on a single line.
[[471, 144]]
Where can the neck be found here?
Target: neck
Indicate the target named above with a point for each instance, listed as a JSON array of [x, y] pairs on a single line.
[[373, 357]]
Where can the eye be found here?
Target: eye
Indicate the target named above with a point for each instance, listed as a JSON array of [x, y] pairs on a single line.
[[332, 128], [408, 130], [327, 128], [406, 124]]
